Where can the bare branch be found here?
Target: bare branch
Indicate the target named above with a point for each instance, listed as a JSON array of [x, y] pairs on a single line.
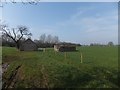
[[34, 2], [14, 33], [22, 30], [20, 37], [23, 2], [7, 34], [13, 1]]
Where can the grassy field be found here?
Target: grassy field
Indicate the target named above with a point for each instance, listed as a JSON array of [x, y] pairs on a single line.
[[51, 69]]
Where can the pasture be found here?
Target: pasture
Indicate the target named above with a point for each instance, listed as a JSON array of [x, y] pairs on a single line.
[[51, 69]]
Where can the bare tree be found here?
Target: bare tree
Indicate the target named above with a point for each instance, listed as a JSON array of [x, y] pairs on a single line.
[[49, 39], [16, 34], [6, 38], [42, 38], [23, 1], [110, 43], [55, 39]]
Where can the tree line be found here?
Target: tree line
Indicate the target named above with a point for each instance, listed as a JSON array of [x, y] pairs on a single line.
[[98, 44], [47, 40], [14, 37]]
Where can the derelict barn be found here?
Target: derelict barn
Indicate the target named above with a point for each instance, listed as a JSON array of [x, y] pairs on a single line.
[[64, 48], [28, 45]]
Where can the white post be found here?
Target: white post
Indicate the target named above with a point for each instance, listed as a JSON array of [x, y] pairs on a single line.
[[44, 50], [81, 58]]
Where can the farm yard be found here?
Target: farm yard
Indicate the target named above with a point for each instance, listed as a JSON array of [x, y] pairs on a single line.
[[50, 69]]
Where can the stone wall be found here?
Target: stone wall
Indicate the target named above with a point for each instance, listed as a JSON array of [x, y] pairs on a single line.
[[64, 48]]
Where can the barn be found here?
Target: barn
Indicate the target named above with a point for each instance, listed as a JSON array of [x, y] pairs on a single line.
[[28, 45], [64, 48]]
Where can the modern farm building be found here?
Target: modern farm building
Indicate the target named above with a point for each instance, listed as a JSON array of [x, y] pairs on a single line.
[[64, 48], [28, 45]]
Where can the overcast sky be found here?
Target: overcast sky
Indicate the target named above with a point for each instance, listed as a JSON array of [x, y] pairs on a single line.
[[79, 22]]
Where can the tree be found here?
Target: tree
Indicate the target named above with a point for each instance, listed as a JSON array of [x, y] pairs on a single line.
[[110, 44], [49, 39], [16, 34], [55, 39], [42, 38], [23, 1], [52, 39]]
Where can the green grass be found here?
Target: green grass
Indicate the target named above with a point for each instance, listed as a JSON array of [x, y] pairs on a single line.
[[50, 69]]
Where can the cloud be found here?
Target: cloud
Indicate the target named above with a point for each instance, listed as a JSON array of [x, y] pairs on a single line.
[[99, 26], [87, 25]]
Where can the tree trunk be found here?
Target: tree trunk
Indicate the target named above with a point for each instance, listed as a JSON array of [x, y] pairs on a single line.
[[18, 45]]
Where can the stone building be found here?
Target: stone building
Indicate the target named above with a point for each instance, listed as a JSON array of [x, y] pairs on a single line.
[[64, 48], [28, 45]]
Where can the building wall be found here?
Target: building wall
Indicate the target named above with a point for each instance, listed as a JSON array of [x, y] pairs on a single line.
[[63, 48], [56, 47], [28, 46]]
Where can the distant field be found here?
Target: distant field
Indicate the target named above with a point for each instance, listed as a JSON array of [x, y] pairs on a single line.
[[51, 69]]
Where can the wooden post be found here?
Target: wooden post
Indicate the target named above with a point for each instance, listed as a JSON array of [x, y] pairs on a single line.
[[44, 49], [81, 58]]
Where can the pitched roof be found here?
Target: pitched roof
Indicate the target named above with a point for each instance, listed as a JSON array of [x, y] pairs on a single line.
[[30, 41]]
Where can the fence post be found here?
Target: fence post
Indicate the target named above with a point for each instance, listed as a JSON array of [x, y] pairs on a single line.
[[44, 49], [81, 58]]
